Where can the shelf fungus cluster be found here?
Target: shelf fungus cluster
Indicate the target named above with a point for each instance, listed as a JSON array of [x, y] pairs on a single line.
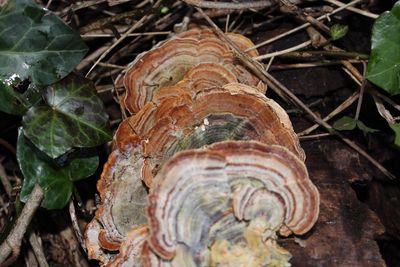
[[207, 171]]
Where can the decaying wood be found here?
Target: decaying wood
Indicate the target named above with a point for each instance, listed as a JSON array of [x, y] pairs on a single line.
[[346, 229]]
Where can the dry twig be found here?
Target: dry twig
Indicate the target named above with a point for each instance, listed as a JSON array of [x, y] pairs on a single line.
[[232, 5], [13, 242], [135, 26], [8, 146], [305, 25], [347, 103], [362, 89], [353, 9], [311, 64], [75, 225], [314, 136], [4, 180], [285, 51], [37, 249]]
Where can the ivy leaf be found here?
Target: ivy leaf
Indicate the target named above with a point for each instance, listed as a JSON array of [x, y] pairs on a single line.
[[56, 181], [396, 128], [338, 31], [73, 116], [35, 45], [347, 123], [16, 101], [384, 63]]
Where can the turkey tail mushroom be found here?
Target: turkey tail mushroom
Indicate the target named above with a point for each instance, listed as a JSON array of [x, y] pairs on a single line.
[[223, 165], [166, 64], [265, 186], [179, 122]]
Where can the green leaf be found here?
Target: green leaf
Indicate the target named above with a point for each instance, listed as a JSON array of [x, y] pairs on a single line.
[[56, 181], [36, 45], [73, 116], [13, 99], [345, 124], [365, 128], [396, 128], [384, 63], [164, 10], [338, 31]]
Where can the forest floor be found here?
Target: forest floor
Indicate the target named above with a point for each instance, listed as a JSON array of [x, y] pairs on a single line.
[[359, 223]]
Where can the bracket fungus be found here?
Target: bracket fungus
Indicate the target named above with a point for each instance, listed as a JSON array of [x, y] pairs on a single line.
[[124, 200], [223, 165], [181, 121], [266, 187], [167, 64]]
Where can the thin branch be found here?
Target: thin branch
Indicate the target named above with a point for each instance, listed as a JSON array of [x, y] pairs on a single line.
[[90, 58], [285, 51], [327, 53], [75, 225], [269, 63], [305, 25], [8, 146], [384, 98], [13, 242], [378, 97], [310, 105], [362, 89], [347, 103], [291, 8], [311, 64], [280, 88], [30, 259], [353, 9], [4, 180], [107, 88], [48, 4], [101, 23], [112, 66], [79, 5], [135, 26], [227, 22], [37, 248], [231, 5], [314, 136], [108, 35], [383, 111]]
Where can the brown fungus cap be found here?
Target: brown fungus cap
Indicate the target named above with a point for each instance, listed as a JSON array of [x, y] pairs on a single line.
[[123, 199], [266, 187], [167, 64], [130, 254], [180, 120]]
